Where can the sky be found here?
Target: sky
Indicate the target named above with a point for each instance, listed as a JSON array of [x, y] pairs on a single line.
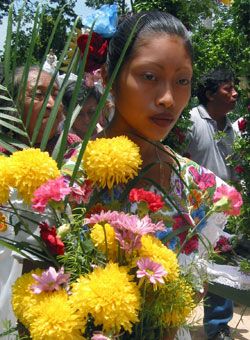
[[81, 9]]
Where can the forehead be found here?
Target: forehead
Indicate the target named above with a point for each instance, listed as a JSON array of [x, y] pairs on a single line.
[[44, 79], [161, 47], [226, 84]]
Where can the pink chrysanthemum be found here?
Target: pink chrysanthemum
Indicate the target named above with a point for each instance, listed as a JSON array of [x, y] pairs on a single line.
[[102, 217], [50, 280], [155, 272], [228, 200], [130, 228], [53, 190], [136, 225]]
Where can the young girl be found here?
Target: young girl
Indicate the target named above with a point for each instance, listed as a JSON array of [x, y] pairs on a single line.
[[152, 88]]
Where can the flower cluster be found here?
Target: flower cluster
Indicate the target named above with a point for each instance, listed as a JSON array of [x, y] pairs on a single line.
[[116, 276], [26, 171]]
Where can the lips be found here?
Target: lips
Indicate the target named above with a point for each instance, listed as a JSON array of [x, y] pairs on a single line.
[[162, 120]]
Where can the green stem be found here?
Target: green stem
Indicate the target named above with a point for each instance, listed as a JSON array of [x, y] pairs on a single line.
[[143, 304], [193, 231], [106, 242], [37, 238]]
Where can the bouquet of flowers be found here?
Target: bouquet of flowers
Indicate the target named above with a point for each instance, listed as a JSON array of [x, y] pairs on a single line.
[[107, 275]]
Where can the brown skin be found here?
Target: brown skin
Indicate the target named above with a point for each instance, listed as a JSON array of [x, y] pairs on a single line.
[[43, 84], [221, 102], [83, 120], [152, 89]]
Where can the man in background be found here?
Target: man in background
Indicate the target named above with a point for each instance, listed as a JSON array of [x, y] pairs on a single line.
[[210, 143]]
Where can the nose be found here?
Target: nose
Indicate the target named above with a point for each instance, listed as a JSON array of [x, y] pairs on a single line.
[[165, 96], [51, 102], [234, 93]]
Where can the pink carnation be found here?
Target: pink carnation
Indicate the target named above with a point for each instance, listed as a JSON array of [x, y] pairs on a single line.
[[81, 194], [228, 200], [54, 190]]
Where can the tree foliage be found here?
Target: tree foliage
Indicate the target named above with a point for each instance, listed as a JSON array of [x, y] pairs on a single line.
[[47, 23], [4, 7], [189, 12]]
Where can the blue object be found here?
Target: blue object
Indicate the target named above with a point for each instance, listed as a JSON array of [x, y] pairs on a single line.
[[106, 18], [161, 235], [218, 311], [197, 216]]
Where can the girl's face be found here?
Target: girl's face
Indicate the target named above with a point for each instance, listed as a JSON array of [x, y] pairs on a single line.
[[153, 87]]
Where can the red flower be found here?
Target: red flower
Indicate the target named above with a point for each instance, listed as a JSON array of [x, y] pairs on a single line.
[[50, 238], [192, 244], [97, 50], [242, 124], [239, 169], [223, 245], [96, 209], [153, 200]]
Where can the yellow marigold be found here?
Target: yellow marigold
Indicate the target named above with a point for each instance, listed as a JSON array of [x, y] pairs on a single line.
[[56, 319], [31, 168], [5, 177], [23, 299], [109, 296], [109, 161], [98, 238], [158, 252], [3, 224], [179, 305]]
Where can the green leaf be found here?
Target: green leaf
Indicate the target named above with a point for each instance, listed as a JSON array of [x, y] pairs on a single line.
[[11, 118], [7, 108], [54, 111], [7, 53], [7, 146], [13, 128], [5, 98]]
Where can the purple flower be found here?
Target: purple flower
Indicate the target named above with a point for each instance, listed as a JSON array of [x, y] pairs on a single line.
[[50, 280], [152, 270]]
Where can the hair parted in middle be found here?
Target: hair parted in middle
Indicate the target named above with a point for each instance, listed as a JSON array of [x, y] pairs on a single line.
[[148, 23]]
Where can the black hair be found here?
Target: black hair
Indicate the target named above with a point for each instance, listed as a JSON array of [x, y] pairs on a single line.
[[212, 81], [83, 94], [147, 23]]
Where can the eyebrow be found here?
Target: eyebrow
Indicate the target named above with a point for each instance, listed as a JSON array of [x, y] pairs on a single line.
[[146, 62]]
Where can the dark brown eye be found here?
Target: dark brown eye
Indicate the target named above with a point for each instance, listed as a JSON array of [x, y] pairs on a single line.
[[149, 76], [184, 81]]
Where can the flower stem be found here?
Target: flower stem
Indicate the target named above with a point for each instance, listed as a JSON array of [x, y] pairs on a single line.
[[143, 304], [193, 231]]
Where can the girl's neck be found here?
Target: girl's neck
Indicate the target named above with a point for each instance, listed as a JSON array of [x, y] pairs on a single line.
[[147, 148]]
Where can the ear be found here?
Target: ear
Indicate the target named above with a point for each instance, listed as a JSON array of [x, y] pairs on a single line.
[[210, 95]]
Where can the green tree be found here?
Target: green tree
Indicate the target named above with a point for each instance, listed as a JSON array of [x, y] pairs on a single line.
[[47, 22], [4, 7]]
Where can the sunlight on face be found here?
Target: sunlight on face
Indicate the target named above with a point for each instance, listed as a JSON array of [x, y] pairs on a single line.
[[153, 87]]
